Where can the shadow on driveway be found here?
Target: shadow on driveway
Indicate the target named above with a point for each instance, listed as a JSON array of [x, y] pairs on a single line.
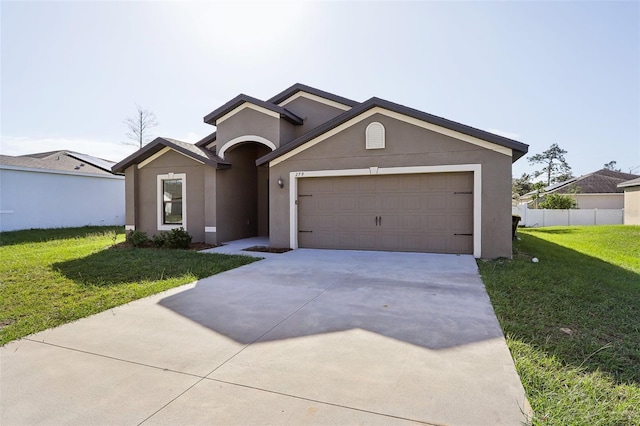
[[433, 301]]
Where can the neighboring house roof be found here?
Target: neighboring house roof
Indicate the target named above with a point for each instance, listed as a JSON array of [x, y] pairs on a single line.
[[298, 87], [519, 149], [603, 181], [241, 99], [190, 150], [67, 161], [630, 183]]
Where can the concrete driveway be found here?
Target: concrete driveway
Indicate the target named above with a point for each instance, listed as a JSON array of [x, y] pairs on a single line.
[[306, 337]]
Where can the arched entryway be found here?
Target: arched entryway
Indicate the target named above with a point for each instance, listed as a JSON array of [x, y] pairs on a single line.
[[242, 209]]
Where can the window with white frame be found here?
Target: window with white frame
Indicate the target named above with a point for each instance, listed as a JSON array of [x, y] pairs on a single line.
[[172, 203]]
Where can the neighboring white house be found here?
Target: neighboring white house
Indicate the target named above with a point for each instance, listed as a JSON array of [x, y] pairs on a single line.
[[597, 190], [59, 189], [631, 201]]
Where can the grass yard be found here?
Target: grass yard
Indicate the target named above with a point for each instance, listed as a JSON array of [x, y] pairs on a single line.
[[55, 276], [572, 321]]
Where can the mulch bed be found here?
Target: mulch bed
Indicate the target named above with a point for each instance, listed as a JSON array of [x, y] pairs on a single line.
[[265, 249]]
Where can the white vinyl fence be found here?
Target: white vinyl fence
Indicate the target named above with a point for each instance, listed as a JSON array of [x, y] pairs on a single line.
[[548, 217]]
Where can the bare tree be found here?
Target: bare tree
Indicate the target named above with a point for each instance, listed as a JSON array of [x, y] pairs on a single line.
[[556, 168], [139, 126]]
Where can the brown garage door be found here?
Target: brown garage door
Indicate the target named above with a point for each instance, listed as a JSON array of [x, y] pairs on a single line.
[[415, 212]]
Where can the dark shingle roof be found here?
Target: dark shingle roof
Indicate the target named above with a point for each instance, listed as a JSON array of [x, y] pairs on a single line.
[[298, 87], [603, 181], [519, 149], [206, 140], [63, 160], [197, 153]]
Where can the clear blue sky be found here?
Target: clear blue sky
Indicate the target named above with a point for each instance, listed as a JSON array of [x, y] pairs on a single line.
[[539, 72]]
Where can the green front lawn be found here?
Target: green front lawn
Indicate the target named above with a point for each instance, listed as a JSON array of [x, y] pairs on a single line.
[[572, 321], [55, 276]]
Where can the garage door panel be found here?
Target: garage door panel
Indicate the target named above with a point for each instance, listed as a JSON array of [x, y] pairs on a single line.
[[461, 202], [414, 212]]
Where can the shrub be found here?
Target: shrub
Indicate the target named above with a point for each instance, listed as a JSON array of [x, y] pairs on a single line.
[[178, 238], [558, 201], [159, 240], [137, 238]]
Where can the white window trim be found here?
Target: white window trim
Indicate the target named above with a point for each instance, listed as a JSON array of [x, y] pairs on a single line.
[[246, 138], [368, 144], [160, 199], [477, 192], [401, 117]]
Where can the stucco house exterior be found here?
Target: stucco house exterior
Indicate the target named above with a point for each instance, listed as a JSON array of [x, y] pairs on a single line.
[[308, 168], [631, 190], [596, 190], [59, 189]]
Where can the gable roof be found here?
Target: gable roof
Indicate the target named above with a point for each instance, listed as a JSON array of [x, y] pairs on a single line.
[[630, 183], [206, 140], [298, 87], [603, 181], [213, 116], [190, 150], [519, 149], [62, 160]]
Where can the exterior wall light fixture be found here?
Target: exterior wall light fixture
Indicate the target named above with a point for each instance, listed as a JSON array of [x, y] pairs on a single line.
[[280, 182]]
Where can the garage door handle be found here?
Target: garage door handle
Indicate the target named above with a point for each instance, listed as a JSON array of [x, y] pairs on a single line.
[[376, 220], [305, 231], [380, 221], [468, 235]]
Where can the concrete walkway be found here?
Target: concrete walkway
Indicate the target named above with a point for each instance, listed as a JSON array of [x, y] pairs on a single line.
[[305, 337]]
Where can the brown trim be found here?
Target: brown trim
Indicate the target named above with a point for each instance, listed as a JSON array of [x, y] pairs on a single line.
[[205, 156], [240, 99], [298, 87], [519, 149]]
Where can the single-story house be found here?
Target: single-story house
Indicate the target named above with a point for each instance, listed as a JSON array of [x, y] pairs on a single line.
[[631, 190], [59, 189], [597, 190], [308, 168]]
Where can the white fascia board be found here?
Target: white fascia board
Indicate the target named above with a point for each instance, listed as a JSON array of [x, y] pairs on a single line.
[[401, 117], [58, 172], [161, 153], [476, 169], [315, 98], [244, 106]]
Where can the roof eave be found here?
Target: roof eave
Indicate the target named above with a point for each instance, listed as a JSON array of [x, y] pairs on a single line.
[[518, 149], [207, 140], [213, 116], [299, 87], [155, 146]]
